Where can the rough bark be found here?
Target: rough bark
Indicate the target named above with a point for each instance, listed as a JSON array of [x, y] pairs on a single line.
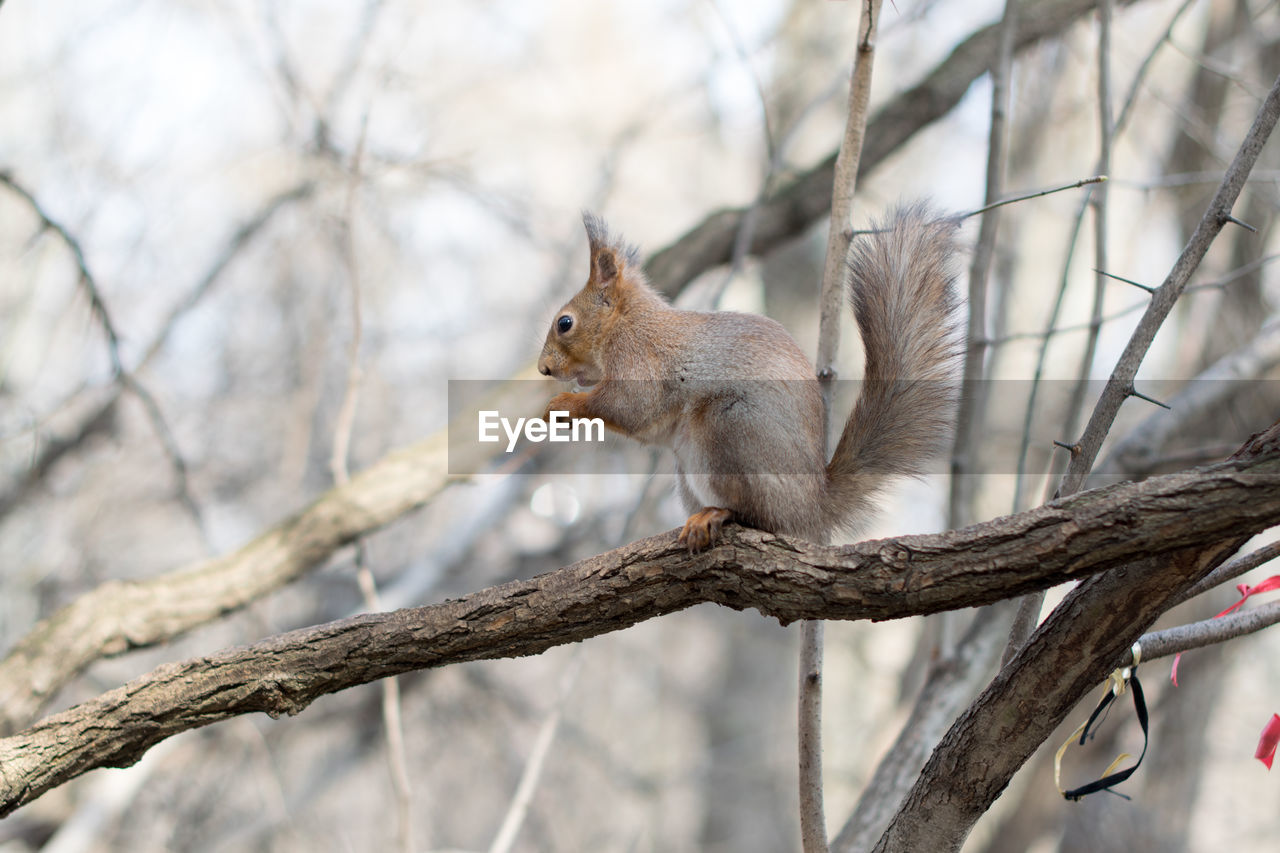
[[1086, 533]]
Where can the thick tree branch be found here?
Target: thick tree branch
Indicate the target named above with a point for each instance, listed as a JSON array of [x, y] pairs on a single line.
[[1087, 533]]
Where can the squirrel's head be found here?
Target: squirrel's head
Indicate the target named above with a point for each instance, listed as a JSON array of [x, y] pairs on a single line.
[[579, 333]]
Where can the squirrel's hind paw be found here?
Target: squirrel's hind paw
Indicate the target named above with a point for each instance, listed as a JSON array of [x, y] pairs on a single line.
[[702, 529]]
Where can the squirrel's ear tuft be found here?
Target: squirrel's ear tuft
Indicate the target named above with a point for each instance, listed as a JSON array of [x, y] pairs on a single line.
[[597, 231], [609, 254]]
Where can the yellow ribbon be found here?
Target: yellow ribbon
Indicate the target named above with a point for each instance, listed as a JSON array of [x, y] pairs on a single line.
[[1117, 682]]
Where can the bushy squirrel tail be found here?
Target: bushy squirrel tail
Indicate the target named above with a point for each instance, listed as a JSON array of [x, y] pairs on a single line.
[[901, 285]]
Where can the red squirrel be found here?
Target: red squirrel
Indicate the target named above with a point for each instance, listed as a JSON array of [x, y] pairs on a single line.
[[737, 400]]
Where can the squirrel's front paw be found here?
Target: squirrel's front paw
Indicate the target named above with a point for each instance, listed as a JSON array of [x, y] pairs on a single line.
[[562, 402], [702, 529]]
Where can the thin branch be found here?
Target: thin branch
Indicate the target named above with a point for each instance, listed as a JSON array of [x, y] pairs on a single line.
[[795, 208], [1029, 608], [1083, 182], [833, 297], [813, 822], [971, 411], [392, 718], [1119, 313], [1234, 569], [1213, 66], [126, 380], [1089, 532], [85, 278], [519, 807], [844, 184], [1135, 453], [1051, 323], [1121, 382], [351, 394], [1208, 632], [1098, 201]]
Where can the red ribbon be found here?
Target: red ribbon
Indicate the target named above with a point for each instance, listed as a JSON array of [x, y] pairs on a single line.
[[1270, 739], [1245, 591], [1267, 743]]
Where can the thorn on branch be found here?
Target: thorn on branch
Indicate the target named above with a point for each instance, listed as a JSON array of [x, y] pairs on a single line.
[[1074, 449], [1134, 393], [1245, 225], [1136, 284]]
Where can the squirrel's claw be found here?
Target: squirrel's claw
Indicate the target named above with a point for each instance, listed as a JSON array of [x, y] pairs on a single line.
[[702, 529]]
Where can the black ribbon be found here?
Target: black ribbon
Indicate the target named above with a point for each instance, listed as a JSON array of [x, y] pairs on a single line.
[[1106, 782]]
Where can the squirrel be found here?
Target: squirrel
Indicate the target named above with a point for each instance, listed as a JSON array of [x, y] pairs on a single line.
[[737, 400]]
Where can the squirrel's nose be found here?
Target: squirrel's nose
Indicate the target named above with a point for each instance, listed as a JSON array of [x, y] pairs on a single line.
[[544, 370]]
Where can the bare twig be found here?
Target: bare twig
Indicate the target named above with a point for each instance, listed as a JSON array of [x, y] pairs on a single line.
[[127, 380], [813, 828], [391, 712], [1234, 569], [1120, 385], [970, 414], [85, 278], [1207, 632], [844, 183], [1121, 121], [1098, 200], [1024, 622], [519, 807], [1083, 182], [1209, 391]]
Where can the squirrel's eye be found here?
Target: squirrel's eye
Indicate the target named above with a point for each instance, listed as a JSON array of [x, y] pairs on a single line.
[[564, 324]]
